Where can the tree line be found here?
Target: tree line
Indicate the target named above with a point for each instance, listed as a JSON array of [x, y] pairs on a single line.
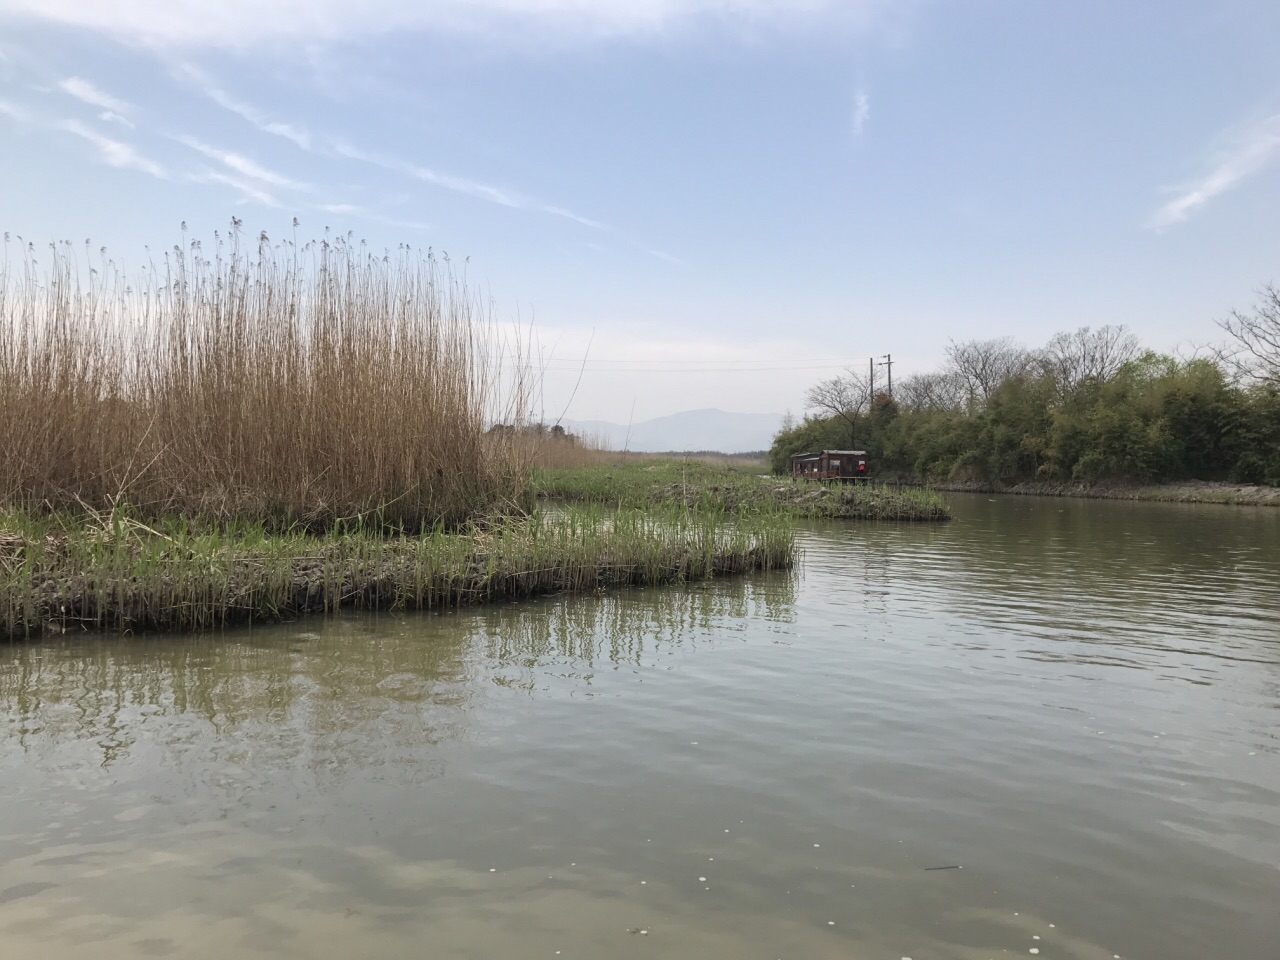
[[1090, 405]]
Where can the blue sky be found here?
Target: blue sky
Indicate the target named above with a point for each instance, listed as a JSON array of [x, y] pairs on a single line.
[[715, 201]]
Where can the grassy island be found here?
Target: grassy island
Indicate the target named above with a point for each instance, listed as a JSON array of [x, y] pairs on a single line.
[[237, 435], [738, 490], [60, 574]]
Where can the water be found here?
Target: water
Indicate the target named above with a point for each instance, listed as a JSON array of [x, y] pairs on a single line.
[[1076, 704]]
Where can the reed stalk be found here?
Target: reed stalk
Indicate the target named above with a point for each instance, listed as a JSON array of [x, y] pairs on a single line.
[[282, 385]]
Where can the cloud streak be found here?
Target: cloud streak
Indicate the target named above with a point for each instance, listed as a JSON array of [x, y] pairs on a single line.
[[861, 111], [14, 112], [1247, 152], [242, 165], [240, 24], [115, 153], [462, 185], [298, 135], [364, 213], [248, 191], [94, 96]]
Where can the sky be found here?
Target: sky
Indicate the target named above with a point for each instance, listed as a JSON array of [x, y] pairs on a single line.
[[689, 204]]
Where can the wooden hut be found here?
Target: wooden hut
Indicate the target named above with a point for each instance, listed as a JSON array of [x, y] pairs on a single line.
[[842, 465]]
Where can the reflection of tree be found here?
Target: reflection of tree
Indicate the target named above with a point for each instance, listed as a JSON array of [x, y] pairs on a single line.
[[317, 698], [1095, 580]]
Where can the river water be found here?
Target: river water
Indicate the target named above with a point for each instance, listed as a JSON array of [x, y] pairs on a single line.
[[1073, 707]]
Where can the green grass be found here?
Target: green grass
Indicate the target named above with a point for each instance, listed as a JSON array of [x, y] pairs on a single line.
[[62, 572], [735, 490]]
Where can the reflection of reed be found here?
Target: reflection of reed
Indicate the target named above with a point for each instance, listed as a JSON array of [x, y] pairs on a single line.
[[396, 680], [625, 627], [315, 685]]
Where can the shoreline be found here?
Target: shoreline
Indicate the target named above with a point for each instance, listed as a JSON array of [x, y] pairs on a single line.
[[1189, 491]]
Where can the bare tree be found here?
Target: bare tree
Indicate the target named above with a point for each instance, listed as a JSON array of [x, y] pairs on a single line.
[[844, 397], [985, 364], [1088, 355], [939, 390], [1254, 353]]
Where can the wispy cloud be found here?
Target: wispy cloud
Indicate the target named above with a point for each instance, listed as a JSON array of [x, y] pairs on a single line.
[[861, 111], [242, 165], [245, 111], [1247, 151], [665, 257], [446, 181], [87, 92], [364, 213], [110, 116], [462, 185], [248, 191], [115, 153], [241, 24], [14, 112]]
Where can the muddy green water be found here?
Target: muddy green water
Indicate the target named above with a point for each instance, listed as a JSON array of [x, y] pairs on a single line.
[[1075, 703]]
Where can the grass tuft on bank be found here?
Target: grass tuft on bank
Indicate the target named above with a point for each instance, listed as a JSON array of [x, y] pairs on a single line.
[[741, 492]]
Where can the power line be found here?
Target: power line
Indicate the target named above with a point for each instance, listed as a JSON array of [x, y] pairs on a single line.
[[695, 370], [826, 360], [772, 365]]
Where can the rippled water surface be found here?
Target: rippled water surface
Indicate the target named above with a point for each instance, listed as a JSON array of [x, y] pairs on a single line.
[[1072, 706]]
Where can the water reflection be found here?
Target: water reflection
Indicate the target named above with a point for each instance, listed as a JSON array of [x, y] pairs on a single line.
[[635, 627], [1101, 583], [340, 675]]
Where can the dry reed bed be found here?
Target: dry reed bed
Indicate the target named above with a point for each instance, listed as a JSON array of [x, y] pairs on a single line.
[[126, 577], [282, 385]]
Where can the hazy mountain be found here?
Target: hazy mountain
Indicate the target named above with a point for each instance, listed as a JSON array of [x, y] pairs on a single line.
[[688, 430]]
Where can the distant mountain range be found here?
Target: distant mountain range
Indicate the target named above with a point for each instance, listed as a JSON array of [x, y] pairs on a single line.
[[688, 430]]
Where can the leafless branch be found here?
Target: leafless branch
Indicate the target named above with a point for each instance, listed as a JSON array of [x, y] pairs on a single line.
[[844, 397], [982, 365], [943, 390], [1254, 350], [1088, 355]]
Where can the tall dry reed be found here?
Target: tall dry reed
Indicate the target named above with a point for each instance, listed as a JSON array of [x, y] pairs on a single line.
[[278, 383]]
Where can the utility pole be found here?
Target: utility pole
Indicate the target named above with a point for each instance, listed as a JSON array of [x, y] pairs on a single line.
[[888, 362]]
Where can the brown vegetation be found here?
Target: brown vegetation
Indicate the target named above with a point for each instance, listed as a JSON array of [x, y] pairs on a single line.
[[295, 385]]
